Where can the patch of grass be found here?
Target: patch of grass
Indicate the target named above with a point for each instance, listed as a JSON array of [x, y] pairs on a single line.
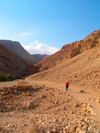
[[4, 77]]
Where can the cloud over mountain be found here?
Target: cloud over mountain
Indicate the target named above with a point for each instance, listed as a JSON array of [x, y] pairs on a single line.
[[41, 49]]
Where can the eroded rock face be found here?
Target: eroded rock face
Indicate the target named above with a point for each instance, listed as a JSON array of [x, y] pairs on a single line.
[[70, 50]]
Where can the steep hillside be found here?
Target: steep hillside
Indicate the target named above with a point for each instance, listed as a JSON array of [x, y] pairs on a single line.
[[82, 70], [11, 63], [18, 49], [39, 57], [70, 50]]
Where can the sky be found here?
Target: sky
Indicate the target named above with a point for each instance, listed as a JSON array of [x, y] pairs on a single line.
[[45, 26]]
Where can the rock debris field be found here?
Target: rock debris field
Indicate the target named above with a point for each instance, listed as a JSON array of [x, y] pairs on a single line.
[[26, 108]]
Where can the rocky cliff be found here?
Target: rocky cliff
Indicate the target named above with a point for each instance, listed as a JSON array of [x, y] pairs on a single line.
[[70, 50]]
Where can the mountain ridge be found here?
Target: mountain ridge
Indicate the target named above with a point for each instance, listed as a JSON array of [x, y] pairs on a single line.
[[15, 65], [18, 49], [39, 57]]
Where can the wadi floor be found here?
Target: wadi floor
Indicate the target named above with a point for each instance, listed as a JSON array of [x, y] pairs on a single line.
[[45, 107]]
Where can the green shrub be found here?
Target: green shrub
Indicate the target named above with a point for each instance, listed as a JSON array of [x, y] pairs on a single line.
[[4, 77]]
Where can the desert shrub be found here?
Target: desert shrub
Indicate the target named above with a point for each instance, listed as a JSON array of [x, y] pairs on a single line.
[[4, 77]]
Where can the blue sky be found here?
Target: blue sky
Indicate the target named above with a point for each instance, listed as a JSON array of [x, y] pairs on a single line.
[[44, 26]]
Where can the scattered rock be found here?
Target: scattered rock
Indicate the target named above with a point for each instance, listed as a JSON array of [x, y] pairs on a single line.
[[98, 100], [81, 91], [76, 105], [74, 128], [84, 105]]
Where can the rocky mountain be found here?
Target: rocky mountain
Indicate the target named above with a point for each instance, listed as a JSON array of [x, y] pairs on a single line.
[[70, 50], [39, 57], [18, 49], [15, 65]]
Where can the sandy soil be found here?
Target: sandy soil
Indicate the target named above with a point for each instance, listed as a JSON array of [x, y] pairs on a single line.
[[56, 110]]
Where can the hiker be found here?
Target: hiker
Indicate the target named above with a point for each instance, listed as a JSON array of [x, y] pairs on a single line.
[[23, 78], [67, 85]]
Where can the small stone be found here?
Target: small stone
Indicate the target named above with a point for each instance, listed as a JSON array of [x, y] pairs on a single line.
[[98, 100], [55, 120], [74, 128], [82, 131], [76, 105], [28, 93], [81, 91], [2, 93], [48, 131], [64, 108], [35, 104], [71, 112], [84, 105], [15, 91], [54, 130]]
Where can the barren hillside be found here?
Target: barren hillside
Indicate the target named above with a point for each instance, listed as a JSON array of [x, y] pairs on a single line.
[[70, 50], [81, 70], [18, 49], [15, 65]]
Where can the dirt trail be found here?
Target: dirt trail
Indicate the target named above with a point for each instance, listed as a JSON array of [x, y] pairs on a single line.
[[88, 96]]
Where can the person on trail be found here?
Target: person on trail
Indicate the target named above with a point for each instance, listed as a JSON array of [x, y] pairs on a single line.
[[23, 78], [67, 85]]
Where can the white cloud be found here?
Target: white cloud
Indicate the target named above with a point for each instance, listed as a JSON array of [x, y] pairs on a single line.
[[34, 42], [40, 49], [25, 34]]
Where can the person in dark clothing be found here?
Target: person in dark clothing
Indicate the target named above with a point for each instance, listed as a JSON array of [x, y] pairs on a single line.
[[67, 85]]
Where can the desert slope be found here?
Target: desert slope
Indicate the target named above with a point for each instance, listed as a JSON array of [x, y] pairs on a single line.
[[70, 50], [18, 49], [15, 65], [81, 70]]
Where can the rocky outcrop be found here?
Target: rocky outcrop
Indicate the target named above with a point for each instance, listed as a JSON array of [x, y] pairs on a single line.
[[70, 50], [74, 52]]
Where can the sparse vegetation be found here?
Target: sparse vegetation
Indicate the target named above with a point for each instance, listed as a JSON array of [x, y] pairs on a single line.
[[4, 77]]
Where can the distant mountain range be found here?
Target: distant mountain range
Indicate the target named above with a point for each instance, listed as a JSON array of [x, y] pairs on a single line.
[[18, 49], [13, 64], [39, 57]]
